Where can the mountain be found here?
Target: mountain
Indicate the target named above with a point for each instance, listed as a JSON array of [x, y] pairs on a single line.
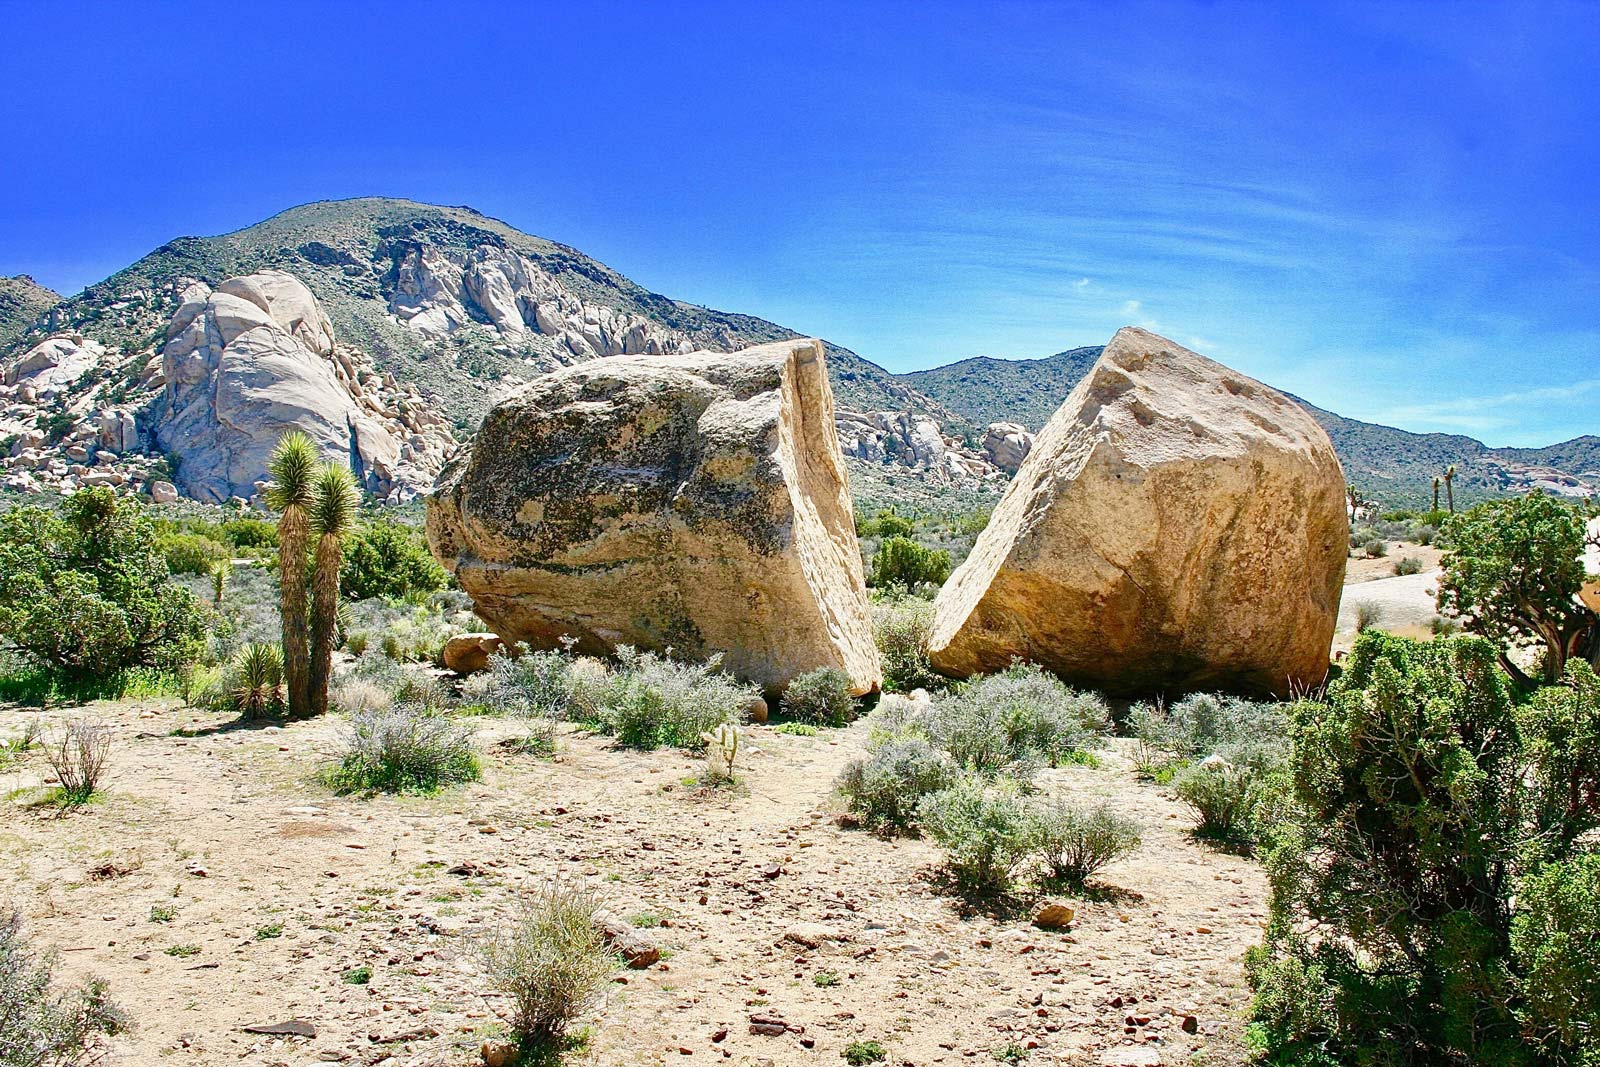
[[1391, 465], [984, 390], [22, 301], [454, 301]]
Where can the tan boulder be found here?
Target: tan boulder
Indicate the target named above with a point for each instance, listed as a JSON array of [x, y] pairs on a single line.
[[1175, 527], [469, 653], [696, 502]]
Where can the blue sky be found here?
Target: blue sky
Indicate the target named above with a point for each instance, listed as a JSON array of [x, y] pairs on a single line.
[[1389, 208]]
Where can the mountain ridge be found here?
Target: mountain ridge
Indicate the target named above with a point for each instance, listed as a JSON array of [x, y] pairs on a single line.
[[464, 305]]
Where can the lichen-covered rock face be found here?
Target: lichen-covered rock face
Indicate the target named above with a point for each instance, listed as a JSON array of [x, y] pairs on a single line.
[[696, 502], [1175, 527]]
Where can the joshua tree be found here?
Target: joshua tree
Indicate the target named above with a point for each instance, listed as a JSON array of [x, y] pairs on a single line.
[[1450, 487], [333, 513], [1355, 499], [293, 468], [1436, 482]]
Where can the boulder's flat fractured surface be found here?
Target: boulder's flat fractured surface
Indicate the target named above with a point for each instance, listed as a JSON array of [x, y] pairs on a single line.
[[696, 502], [1176, 526]]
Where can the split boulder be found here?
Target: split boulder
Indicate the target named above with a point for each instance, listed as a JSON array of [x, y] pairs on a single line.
[[1176, 527], [696, 502]]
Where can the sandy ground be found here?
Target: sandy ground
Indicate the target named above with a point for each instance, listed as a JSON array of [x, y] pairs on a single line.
[[1363, 568], [279, 889]]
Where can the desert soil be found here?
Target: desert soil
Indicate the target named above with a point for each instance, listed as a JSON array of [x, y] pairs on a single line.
[[280, 889]]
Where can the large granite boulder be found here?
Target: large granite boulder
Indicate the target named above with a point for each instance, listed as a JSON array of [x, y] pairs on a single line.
[[696, 502], [255, 358], [1175, 527]]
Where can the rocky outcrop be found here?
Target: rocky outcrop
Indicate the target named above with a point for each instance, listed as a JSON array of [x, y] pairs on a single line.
[[438, 292], [907, 440], [255, 358], [691, 502], [1177, 526], [1006, 445], [52, 366]]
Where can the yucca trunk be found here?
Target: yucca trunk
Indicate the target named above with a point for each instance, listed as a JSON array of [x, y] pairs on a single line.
[[293, 530], [324, 618]]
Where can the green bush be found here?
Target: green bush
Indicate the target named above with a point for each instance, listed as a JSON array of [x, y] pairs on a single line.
[[650, 701], [86, 591], [188, 553], [901, 629], [1019, 716], [983, 828], [390, 560], [41, 1026], [903, 562], [404, 749], [1398, 848], [1556, 940], [884, 787], [1218, 792], [1071, 844], [821, 696], [1561, 736], [247, 533], [1201, 724], [885, 523]]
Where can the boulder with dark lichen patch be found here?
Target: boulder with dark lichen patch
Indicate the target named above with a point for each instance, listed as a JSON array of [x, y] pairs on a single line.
[[696, 502]]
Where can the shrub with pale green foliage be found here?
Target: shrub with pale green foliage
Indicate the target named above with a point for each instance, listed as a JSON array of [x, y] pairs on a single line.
[[884, 787], [821, 696], [649, 701], [190, 553], [1071, 843], [404, 749], [984, 829], [41, 1025], [1022, 716]]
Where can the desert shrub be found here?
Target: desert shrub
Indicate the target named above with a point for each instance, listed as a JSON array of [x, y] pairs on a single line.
[[41, 1026], [1398, 849], [884, 787], [391, 560], [190, 553], [86, 592], [405, 683], [1071, 844], [650, 700], [1368, 616], [885, 523], [1408, 565], [1203, 723], [902, 561], [533, 684], [1021, 715], [247, 533], [550, 961], [404, 749], [416, 638], [352, 694], [983, 828], [1218, 792], [821, 696], [1375, 548], [901, 629], [255, 681], [1440, 626], [78, 755], [1556, 941]]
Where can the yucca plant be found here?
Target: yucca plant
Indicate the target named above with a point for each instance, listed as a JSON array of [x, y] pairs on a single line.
[[257, 689], [221, 570], [293, 469], [333, 513]]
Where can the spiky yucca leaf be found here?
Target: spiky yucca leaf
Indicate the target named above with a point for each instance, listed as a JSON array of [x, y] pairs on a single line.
[[258, 680]]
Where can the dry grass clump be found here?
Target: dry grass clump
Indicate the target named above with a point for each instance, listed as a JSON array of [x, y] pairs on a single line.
[[78, 756], [550, 961]]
